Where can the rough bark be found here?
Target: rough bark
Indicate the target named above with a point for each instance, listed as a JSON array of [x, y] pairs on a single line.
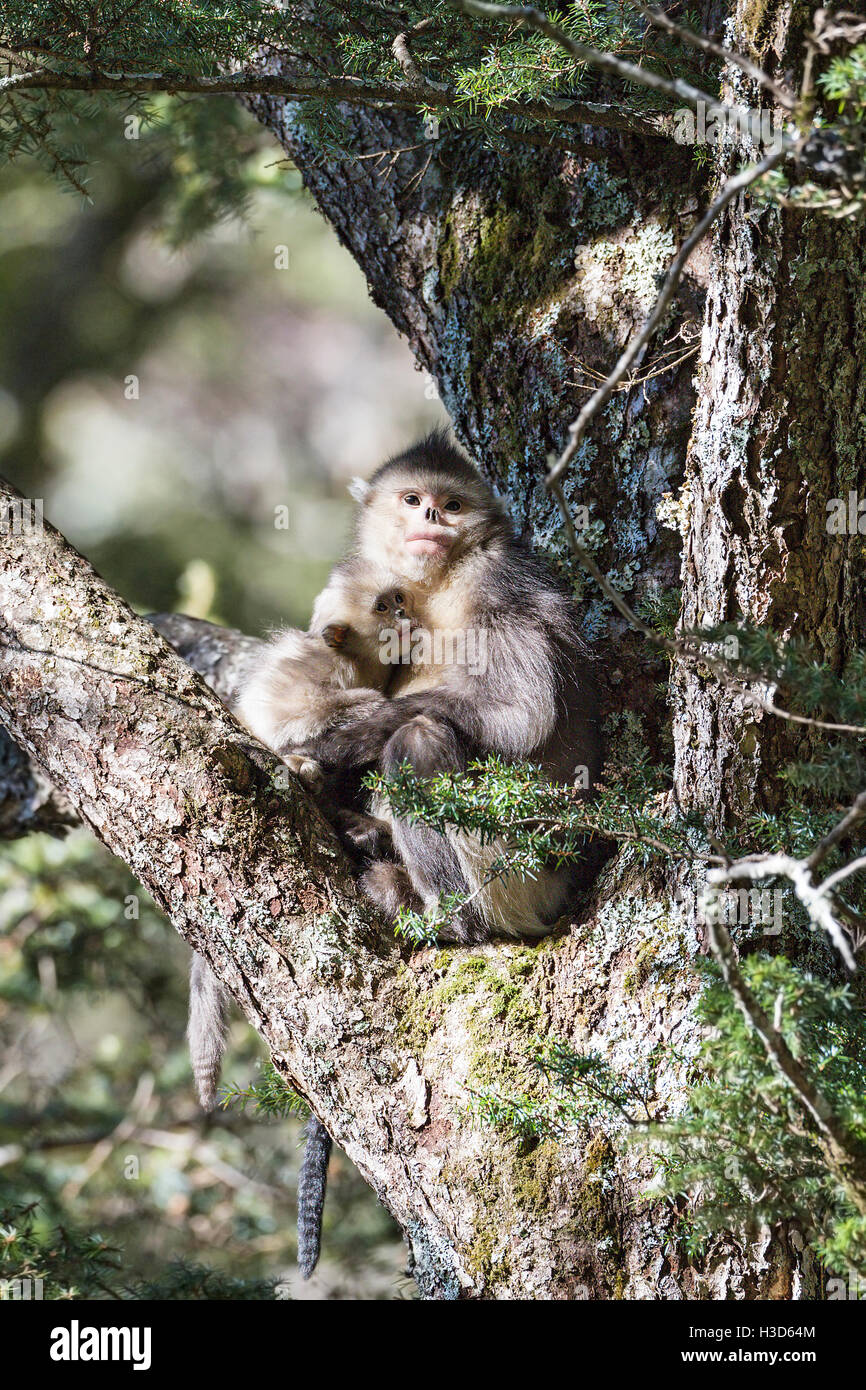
[[780, 429], [29, 803]]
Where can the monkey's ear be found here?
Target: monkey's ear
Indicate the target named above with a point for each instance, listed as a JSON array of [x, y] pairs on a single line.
[[359, 488]]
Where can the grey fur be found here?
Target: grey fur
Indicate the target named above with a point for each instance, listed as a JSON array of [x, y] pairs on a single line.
[[206, 1030], [312, 1181]]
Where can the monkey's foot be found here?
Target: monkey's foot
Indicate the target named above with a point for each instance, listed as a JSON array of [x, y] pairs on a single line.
[[389, 887], [365, 836], [304, 768]]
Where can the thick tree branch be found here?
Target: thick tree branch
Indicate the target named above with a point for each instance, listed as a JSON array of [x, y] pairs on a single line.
[[251, 876], [688, 647], [29, 803]]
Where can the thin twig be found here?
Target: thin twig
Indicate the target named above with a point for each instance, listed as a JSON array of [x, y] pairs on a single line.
[[856, 866], [414, 76], [728, 55], [660, 367], [755, 868], [852, 817], [139, 1107], [607, 62]]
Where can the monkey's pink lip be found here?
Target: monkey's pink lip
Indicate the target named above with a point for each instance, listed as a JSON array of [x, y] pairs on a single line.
[[428, 542]]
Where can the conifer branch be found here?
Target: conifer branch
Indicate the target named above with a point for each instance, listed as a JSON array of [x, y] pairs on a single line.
[[408, 96], [853, 816], [676, 87]]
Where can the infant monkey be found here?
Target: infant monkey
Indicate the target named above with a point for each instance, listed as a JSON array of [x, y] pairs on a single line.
[[309, 682]]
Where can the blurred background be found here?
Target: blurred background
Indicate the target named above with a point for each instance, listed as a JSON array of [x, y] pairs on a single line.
[[190, 372]]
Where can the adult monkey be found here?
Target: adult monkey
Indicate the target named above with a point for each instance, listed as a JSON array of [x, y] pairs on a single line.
[[430, 518]]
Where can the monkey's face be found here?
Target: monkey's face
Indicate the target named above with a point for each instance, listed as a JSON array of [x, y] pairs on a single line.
[[420, 520], [393, 606], [394, 612]]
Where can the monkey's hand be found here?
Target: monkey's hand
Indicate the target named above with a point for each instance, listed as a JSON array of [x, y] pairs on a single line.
[[335, 634], [355, 744]]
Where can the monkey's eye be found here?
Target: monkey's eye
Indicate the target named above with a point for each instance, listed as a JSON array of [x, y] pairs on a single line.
[[382, 607], [398, 598], [454, 505], [412, 499]]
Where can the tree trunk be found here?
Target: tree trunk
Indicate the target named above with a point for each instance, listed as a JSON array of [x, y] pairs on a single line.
[[780, 430], [514, 275]]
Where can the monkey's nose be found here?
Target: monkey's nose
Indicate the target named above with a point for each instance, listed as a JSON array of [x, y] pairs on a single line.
[[399, 613], [431, 514]]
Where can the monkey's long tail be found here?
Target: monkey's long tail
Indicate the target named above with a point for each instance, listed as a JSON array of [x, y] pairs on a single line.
[[312, 1181], [206, 1029]]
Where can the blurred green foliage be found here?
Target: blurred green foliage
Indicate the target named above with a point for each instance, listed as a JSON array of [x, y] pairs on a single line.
[[99, 1126]]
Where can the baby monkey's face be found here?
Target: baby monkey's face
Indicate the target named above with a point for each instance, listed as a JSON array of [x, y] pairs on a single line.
[[392, 609], [394, 605]]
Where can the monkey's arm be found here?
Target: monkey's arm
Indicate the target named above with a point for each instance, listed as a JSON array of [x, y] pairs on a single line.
[[361, 741], [287, 714]]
